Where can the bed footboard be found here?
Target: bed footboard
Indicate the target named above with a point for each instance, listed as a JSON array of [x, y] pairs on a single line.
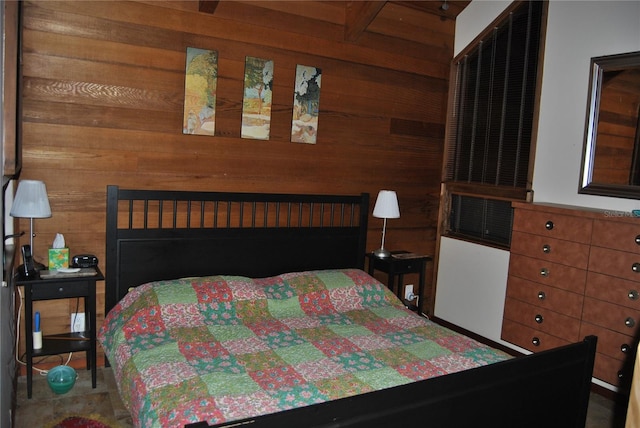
[[550, 388]]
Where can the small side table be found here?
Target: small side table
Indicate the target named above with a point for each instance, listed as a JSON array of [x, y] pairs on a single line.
[[62, 286], [398, 264]]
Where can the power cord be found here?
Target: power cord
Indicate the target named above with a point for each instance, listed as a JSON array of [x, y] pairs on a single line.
[[43, 372]]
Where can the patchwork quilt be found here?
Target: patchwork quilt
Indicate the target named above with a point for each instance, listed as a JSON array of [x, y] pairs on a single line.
[[222, 348]]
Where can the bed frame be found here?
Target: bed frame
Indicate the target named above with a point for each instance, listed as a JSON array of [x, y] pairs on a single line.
[[154, 235]]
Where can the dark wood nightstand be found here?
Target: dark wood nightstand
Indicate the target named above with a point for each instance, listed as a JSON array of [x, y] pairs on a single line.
[[62, 286], [398, 264]]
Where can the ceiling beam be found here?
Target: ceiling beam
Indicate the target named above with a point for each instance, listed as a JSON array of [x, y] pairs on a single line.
[[208, 6], [358, 16], [448, 9]]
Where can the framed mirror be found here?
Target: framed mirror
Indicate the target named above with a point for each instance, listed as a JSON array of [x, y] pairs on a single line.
[[611, 156]]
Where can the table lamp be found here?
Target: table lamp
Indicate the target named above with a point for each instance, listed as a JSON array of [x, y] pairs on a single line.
[[31, 202], [386, 207]]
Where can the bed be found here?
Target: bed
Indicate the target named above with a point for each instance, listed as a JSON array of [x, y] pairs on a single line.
[[226, 309]]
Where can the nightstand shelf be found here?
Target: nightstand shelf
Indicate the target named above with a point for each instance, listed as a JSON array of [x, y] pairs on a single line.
[[399, 264], [63, 287], [61, 343]]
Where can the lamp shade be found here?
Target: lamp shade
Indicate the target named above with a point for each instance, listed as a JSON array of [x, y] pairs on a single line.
[[31, 200], [386, 205]]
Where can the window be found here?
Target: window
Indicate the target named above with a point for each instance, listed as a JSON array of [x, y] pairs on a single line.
[[491, 126], [481, 219]]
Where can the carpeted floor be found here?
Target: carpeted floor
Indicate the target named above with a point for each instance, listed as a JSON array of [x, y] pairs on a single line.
[[46, 408]]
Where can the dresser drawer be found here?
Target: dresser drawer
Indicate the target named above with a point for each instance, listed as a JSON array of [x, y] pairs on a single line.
[[59, 290], [529, 338], [554, 250], [408, 265], [615, 372], [614, 290], [566, 227], [548, 273], [550, 298], [613, 317], [617, 235], [615, 263], [543, 320], [611, 343]]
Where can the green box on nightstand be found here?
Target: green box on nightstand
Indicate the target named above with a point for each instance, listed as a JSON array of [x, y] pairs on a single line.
[[58, 258]]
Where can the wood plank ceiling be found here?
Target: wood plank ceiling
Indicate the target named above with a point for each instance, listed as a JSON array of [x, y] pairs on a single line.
[[360, 14]]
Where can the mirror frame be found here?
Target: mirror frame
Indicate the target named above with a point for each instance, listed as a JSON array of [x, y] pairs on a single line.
[[599, 65]]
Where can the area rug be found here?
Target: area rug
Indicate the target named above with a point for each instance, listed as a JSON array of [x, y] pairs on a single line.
[[90, 421]]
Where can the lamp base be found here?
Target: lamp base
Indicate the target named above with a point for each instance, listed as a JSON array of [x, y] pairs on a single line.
[[39, 266], [30, 274], [27, 274], [382, 253]]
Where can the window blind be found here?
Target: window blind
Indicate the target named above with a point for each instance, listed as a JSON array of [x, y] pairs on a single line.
[[495, 101]]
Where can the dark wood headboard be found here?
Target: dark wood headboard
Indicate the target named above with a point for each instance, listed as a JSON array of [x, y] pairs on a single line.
[[159, 234]]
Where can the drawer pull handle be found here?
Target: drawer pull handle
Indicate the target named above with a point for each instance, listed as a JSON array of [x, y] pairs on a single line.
[[629, 322], [621, 374], [539, 318], [542, 295], [549, 225], [638, 239], [625, 348], [633, 295], [546, 248], [61, 289], [635, 267], [535, 341], [544, 272]]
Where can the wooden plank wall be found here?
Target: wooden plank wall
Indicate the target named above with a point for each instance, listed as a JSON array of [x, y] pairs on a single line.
[[103, 87]]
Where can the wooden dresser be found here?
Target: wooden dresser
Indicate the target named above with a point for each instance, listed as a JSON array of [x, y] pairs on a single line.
[[575, 272]]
